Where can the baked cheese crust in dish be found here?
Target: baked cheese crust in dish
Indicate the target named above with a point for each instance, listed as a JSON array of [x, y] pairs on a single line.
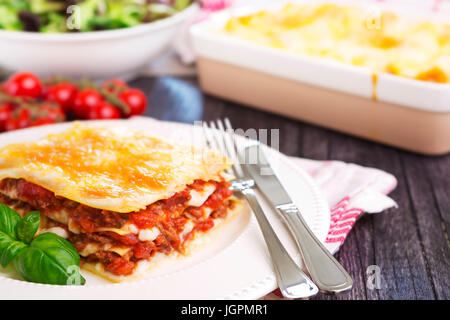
[[384, 42], [119, 196]]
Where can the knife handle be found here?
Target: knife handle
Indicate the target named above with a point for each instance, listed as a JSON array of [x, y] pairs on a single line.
[[292, 281], [326, 272]]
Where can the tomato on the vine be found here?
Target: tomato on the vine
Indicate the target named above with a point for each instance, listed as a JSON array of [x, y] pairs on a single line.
[[104, 110], [26, 102], [11, 124], [5, 113], [114, 85], [136, 101], [23, 84], [42, 121], [86, 100], [24, 119], [50, 112], [63, 93], [18, 121]]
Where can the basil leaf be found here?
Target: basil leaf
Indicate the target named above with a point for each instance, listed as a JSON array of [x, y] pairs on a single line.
[[49, 259], [9, 248], [28, 226], [8, 220]]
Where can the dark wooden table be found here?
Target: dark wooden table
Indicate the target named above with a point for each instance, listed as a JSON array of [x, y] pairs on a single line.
[[409, 244]]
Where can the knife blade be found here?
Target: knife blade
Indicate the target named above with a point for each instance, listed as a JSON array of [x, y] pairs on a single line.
[[264, 176], [325, 271]]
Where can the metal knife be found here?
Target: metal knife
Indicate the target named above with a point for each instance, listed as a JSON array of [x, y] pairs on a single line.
[[325, 271]]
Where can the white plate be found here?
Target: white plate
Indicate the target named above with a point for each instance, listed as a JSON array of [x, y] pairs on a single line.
[[233, 262]]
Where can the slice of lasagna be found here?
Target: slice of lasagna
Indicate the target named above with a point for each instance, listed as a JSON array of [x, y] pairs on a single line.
[[118, 196]]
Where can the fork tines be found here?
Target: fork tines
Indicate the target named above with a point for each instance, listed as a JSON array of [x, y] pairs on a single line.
[[220, 136]]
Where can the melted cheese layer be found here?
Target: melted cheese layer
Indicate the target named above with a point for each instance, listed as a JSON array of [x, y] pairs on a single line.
[[108, 168], [378, 41]]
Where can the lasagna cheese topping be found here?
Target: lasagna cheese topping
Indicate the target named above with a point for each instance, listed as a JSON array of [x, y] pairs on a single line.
[[111, 169]]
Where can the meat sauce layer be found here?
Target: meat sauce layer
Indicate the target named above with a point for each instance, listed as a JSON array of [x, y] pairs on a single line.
[[169, 216]]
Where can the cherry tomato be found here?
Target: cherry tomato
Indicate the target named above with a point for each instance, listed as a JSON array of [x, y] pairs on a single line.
[[135, 99], [42, 121], [50, 112], [85, 101], [11, 124], [104, 110], [24, 84], [22, 120], [114, 85], [5, 114], [63, 93]]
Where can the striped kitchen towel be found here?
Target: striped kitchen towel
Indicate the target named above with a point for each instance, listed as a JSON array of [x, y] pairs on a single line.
[[351, 190]]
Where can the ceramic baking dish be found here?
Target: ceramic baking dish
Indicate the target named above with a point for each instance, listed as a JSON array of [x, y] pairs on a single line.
[[402, 112]]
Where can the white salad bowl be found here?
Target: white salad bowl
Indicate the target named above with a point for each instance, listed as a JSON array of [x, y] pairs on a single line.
[[97, 54]]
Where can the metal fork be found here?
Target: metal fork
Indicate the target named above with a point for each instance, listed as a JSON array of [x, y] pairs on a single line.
[[293, 283]]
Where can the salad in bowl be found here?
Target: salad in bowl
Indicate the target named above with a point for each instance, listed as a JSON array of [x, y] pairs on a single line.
[[98, 39], [60, 15]]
